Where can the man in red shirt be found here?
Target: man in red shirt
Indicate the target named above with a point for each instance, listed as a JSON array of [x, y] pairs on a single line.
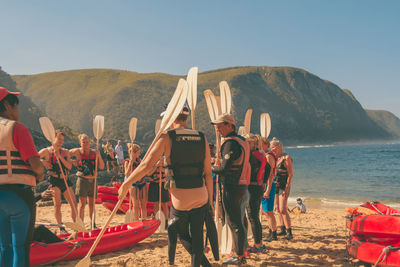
[[20, 169]]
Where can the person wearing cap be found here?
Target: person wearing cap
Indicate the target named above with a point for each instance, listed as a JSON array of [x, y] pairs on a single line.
[[188, 171], [20, 169], [234, 172]]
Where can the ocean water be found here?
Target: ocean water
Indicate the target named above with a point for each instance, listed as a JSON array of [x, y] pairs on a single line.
[[346, 175]]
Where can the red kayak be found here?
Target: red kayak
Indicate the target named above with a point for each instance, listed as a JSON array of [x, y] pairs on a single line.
[[378, 228], [110, 198], [125, 206], [115, 238], [380, 208], [108, 190], [372, 253]]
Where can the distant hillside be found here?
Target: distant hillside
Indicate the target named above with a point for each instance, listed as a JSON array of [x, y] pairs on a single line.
[[29, 114], [386, 120], [303, 107]]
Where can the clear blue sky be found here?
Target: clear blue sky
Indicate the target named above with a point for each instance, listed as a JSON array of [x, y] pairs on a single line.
[[355, 44]]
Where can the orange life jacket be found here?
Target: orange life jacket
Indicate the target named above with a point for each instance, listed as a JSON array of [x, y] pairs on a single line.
[[13, 169]]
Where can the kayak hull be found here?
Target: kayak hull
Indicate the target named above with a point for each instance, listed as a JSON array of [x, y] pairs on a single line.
[[115, 238], [370, 252]]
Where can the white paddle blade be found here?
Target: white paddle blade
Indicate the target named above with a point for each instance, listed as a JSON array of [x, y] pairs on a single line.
[[226, 97], [212, 105], [98, 126], [265, 125], [192, 84], [129, 216], [78, 227], [47, 129], [226, 240], [160, 216], [132, 129], [85, 262], [157, 127], [247, 120], [242, 131], [175, 106], [268, 125]]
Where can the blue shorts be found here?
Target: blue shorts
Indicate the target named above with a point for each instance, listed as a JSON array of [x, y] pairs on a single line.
[[268, 203]]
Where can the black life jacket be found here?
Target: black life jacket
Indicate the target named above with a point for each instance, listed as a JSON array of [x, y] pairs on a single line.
[[54, 164], [187, 157]]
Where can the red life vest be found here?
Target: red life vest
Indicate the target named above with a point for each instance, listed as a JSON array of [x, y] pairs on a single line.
[[243, 161], [261, 172]]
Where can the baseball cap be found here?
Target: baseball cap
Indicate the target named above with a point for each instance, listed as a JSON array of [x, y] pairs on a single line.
[[4, 92], [228, 118]]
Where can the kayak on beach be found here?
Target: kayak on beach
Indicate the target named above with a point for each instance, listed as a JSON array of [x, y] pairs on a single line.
[[375, 234], [114, 238]]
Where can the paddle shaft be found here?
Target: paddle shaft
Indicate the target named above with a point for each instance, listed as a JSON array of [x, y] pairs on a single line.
[[159, 199], [66, 185], [193, 124], [95, 186], [105, 227]]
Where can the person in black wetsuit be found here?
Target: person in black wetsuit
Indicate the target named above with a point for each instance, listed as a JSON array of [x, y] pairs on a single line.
[[189, 181], [234, 173], [256, 187], [284, 174]]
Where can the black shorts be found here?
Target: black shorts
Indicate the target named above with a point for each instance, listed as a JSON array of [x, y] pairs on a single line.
[[59, 182], [154, 192]]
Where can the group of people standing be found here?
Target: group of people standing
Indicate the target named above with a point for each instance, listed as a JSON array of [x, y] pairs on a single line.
[[251, 176]]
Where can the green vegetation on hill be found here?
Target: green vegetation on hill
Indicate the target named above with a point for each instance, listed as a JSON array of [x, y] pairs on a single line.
[[303, 107], [386, 120], [29, 114]]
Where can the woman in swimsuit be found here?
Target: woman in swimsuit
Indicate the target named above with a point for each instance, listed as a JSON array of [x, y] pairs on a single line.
[[284, 175], [139, 189]]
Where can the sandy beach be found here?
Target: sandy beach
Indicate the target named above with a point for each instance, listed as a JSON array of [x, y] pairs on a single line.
[[319, 240]]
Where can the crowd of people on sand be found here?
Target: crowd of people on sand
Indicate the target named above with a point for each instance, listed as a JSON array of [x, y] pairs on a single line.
[[253, 173]]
